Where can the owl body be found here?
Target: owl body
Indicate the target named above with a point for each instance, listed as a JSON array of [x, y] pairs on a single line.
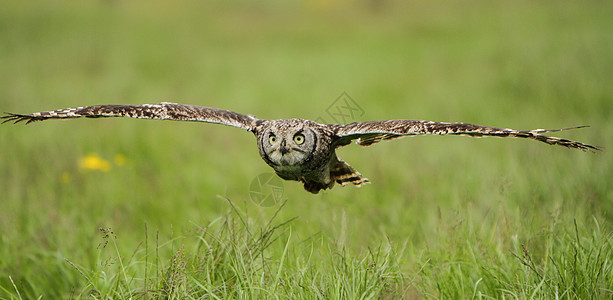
[[298, 149]]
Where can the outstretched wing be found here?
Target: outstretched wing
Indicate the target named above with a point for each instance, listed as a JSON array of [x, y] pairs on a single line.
[[159, 111], [368, 133]]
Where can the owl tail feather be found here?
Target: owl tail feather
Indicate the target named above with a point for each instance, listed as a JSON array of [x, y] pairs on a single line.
[[342, 173]]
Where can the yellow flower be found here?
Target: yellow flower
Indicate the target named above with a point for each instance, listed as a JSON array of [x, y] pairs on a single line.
[[94, 162]]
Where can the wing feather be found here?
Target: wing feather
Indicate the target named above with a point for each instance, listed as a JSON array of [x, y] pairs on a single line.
[[372, 132], [158, 111]]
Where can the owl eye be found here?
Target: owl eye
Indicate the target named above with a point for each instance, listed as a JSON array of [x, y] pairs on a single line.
[[272, 139], [299, 139]]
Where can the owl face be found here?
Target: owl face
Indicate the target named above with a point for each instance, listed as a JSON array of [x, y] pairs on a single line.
[[288, 146]]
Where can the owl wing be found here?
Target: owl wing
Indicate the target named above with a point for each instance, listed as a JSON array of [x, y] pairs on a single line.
[[159, 111], [368, 133]]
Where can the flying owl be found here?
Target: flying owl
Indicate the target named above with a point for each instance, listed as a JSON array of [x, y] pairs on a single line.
[[298, 149]]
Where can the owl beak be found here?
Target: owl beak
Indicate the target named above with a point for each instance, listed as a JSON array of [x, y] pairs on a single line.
[[284, 150]]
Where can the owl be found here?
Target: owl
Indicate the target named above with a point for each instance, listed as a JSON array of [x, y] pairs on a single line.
[[298, 149]]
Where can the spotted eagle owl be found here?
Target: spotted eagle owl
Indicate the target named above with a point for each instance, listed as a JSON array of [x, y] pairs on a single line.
[[298, 149]]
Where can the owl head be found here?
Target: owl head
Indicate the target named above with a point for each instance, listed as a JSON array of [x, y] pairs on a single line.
[[287, 143]]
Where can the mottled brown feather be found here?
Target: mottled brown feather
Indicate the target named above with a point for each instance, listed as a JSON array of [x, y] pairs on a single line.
[[369, 133], [158, 111]]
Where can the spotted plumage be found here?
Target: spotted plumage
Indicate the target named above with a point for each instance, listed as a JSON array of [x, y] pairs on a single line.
[[298, 149]]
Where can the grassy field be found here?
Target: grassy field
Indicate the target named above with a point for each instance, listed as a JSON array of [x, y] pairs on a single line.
[[124, 208]]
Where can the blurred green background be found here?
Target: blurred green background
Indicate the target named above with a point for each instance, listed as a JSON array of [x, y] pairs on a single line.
[[520, 64]]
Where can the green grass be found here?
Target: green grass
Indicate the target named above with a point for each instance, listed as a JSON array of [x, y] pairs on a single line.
[[444, 217]]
